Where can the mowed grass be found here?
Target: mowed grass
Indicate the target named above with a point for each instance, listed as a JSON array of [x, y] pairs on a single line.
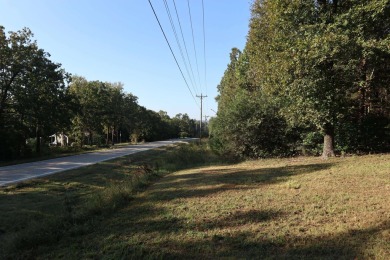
[[302, 208]]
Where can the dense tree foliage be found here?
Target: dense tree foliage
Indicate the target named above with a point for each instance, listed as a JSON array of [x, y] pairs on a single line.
[[312, 68], [38, 99], [33, 93], [105, 114]]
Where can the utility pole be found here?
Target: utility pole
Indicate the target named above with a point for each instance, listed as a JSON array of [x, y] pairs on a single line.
[[201, 107]]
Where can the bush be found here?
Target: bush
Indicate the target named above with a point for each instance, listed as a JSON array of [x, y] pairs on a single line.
[[250, 128]]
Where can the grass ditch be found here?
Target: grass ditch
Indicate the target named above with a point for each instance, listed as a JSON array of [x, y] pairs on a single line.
[[36, 214]]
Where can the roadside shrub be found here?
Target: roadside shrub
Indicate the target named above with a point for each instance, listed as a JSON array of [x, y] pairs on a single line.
[[250, 127]]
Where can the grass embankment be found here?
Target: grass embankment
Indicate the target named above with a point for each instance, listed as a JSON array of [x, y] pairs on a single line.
[[36, 214], [279, 208]]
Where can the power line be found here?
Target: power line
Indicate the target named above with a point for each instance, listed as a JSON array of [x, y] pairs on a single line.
[[166, 39], [193, 41], [178, 43], [185, 45], [204, 50]]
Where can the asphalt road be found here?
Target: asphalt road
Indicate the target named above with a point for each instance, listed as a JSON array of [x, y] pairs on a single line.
[[20, 172]]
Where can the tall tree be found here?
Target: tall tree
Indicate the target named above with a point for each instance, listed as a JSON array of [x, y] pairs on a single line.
[[308, 56], [92, 99], [42, 96], [316, 65], [185, 126], [247, 123], [33, 90]]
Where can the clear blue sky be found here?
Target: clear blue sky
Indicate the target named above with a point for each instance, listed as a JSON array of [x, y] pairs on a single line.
[[120, 41]]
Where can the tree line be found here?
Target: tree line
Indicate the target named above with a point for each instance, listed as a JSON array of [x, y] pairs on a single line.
[[313, 78], [39, 98]]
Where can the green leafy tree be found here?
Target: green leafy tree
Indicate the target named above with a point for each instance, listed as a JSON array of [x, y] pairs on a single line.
[[114, 116], [184, 125], [307, 55], [33, 92], [93, 99], [168, 126], [129, 114], [308, 68], [104, 110], [42, 97], [248, 123]]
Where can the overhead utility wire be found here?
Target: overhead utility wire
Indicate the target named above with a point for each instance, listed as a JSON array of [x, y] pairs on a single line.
[[185, 45], [166, 39], [193, 40], [204, 50], [178, 43]]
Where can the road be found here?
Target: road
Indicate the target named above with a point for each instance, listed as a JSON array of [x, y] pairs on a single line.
[[20, 172]]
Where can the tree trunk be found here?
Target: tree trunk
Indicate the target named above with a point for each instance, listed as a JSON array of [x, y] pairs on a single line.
[[38, 142], [107, 135], [328, 150], [90, 139], [112, 135]]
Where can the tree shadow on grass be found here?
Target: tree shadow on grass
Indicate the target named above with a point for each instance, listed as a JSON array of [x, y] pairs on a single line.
[[221, 238], [228, 241], [352, 244], [238, 218], [133, 230], [207, 182], [148, 233]]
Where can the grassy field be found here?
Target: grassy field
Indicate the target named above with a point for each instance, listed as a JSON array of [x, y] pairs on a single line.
[[302, 208]]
